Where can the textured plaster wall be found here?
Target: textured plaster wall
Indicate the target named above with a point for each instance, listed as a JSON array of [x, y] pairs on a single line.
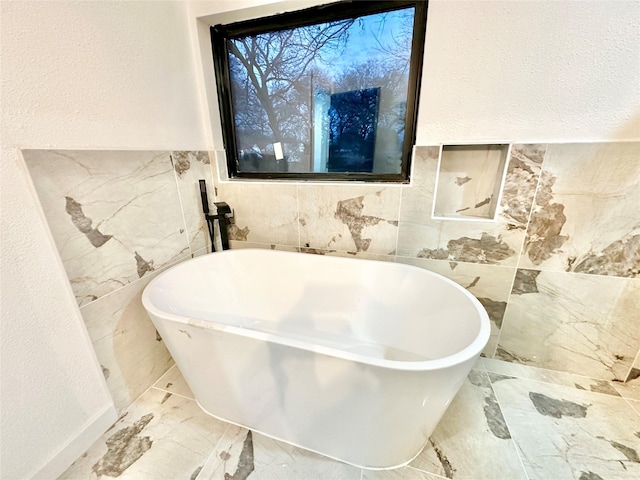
[[536, 71], [500, 70], [109, 75]]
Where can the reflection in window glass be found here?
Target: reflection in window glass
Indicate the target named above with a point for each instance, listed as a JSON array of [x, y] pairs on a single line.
[[322, 98]]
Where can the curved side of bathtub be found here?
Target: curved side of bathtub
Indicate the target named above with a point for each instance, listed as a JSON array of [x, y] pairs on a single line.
[[370, 412]]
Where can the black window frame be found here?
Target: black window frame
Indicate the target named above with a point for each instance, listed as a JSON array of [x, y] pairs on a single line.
[[220, 34]]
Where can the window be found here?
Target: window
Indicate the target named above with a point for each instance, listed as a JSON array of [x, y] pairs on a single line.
[[327, 93]]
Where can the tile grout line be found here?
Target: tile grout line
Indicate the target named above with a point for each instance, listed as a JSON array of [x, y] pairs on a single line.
[[521, 252], [520, 376], [513, 439], [211, 455], [174, 393], [298, 217], [424, 471], [181, 258], [181, 203], [533, 204], [636, 359], [395, 250]]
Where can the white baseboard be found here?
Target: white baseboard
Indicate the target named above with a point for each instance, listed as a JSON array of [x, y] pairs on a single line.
[[75, 447]]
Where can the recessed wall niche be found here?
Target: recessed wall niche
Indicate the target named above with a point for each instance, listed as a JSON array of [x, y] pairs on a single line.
[[469, 181]]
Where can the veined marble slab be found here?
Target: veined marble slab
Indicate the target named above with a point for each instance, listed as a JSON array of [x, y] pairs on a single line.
[[190, 167], [114, 215], [563, 432], [550, 376], [337, 253], [586, 218], [173, 382], [263, 212], [349, 218], [490, 242], [585, 324], [131, 352], [406, 473], [161, 436], [491, 284], [472, 426], [416, 229]]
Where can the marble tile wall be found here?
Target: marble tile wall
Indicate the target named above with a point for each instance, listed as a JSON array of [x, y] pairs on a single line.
[[558, 270], [118, 218]]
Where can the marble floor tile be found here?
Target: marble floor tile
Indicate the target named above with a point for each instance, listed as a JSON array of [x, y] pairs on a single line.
[[164, 435], [472, 440], [635, 404], [242, 453], [631, 388], [551, 376], [161, 436], [174, 383], [406, 473], [567, 433]]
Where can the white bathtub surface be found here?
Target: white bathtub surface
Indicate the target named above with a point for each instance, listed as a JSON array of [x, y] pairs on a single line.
[[376, 312], [353, 359]]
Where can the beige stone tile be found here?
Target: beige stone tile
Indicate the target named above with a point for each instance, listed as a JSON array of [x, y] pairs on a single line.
[[586, 217], [349, 218], [173, 382], [189, 168], [564, 432], [263, 212], [406, 473], [360, 255], [126, 343], [584, 324], [528, 372], [472, 441], [114, 215], [161, 436], [416, 229], [475, 241], [630, 389]]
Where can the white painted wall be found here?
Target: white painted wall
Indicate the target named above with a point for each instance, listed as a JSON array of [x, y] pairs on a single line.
[[89, 75], [121, 74], [505, 70], [529, 71]]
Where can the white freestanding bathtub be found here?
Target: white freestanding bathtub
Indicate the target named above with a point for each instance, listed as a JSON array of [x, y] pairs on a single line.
[[353, 359]]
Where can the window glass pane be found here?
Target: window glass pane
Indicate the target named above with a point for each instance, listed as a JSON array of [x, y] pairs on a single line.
[[323, 98]]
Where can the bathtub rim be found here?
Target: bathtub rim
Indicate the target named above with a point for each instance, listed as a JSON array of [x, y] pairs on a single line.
[[474, 349]]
